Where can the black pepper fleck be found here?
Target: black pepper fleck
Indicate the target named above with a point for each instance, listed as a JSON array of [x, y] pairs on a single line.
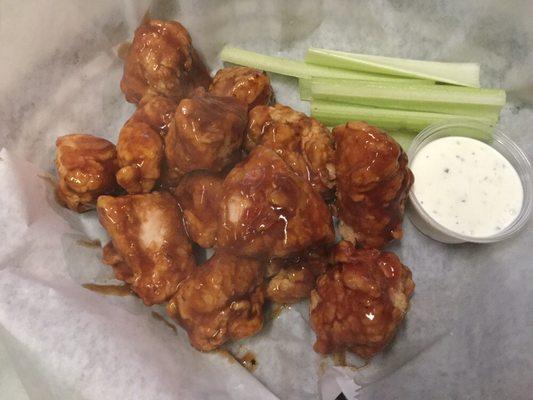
[[447, 170]]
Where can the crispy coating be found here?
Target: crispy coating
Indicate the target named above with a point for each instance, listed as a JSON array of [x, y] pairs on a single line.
[[269, 211], [140, 153], [303, 142], [155, 111], [293, 279], [198, 195], [222, 300], [207, 133], [86, 166], [162, 60], [150, 249], [248, 85], [373, 181], [359, 303]]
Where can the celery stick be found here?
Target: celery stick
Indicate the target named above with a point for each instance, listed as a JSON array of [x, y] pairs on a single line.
[[304, 86], [331, 113], [445, 99], [294, 68], [274, 64], [464, 74], [305, 83]]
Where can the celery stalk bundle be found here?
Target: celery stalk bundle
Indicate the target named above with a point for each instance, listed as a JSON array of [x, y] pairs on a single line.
[[398, 95]]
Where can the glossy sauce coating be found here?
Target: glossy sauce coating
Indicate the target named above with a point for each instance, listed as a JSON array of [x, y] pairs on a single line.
[[207, 133], [198, 194], [150, 249], [248, 85], [86, 166], [359, 303], [303, 143], [292, 279], [222, 300], [373, 181], [140, 153], [156, 111], [268, 211], [140, 144], [162, 60]]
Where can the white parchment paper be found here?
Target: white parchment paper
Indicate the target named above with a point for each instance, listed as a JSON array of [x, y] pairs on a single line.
[[469, 333]]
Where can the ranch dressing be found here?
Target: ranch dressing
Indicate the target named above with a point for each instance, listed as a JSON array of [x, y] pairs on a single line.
[[467, 186]]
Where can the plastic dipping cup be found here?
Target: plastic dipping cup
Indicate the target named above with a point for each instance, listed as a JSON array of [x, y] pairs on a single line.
[[426, 223]]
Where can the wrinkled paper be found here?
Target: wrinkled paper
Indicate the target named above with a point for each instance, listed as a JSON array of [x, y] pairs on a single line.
[[469, 333]]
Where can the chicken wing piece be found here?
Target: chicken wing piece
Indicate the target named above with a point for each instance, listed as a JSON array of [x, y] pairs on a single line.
[[249, 85], [140, 153], [373, 181], [293, 279], [198, 195], [156, 111], [86, 166], [162, 60], [269, 211], [207, 133], [222, 300], [140, 144], [150, 249], [303, 143], [360, 302]]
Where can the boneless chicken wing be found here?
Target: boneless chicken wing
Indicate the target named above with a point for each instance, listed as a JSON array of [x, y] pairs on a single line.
[[198, 195], [292, 279], [150, 249], [207, 133], [140, 153], [303, 143], [249, 85], [269, 211], [140, 144], [86, 166], [373, 181], [359, 303], [156, 111], [162, 60], [222, 300]]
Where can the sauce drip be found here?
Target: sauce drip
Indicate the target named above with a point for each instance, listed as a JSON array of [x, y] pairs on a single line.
[[159, 317], [90, 244], [277, 309], [109, 290], [123, 49], [248, 361], [339, 359]]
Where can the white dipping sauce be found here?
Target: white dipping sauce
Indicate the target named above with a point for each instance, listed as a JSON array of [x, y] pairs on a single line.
[[467, 186]]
